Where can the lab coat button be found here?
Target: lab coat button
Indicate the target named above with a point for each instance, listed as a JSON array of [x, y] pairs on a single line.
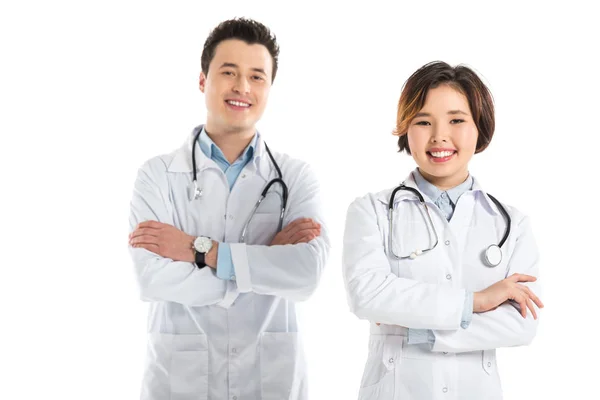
[[391, 360], [445, 390], [447, 242], [448, 276], [489, 364]]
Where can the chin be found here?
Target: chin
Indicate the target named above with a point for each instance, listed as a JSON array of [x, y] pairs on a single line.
[[241, 125], [439, 171]]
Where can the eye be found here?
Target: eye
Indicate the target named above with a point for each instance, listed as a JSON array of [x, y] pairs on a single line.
[[257, 78], [229, 73], [457, 121], [422, 123]]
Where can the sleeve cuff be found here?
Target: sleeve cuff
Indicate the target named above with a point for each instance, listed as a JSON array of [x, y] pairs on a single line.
[[225, 269], [467, 315], [241, 267], [419, 336]]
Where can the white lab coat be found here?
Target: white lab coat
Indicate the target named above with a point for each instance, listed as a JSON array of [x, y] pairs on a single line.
[[429, 293], [214, 339]]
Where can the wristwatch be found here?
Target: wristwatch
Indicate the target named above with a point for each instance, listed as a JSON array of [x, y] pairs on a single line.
[[201, 246]]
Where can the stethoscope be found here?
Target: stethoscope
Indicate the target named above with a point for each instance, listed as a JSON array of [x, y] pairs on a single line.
[[284, 196], [492, 255]]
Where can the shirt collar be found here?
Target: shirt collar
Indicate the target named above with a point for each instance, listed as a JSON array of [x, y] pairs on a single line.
[[181, 159], [410, 181], [434, 193], [212, 151]]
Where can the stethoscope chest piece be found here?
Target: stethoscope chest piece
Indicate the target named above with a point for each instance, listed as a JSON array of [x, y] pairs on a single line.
[[493, 255]]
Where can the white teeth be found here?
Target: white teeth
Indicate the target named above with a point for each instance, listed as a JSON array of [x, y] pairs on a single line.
[[442, 154], [238, 103]]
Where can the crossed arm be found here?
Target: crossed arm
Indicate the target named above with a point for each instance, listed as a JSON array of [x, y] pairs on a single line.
[[289, 267]]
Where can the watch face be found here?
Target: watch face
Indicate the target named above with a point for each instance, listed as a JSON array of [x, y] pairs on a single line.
[[202, 244]]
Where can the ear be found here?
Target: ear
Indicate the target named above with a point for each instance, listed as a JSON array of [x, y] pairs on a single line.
[[202, 82]]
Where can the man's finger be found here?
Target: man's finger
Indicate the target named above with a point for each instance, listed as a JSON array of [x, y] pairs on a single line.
[[148, 246], [144, 239], [296, 235], [149, 224], [297, 222], [306, 238], [302, 226], [143, 231]]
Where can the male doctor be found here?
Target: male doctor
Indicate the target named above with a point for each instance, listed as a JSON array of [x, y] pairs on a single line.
[[222, 318]]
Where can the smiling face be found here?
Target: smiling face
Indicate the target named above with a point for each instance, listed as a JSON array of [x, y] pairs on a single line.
[[236, 86], [443, 137]]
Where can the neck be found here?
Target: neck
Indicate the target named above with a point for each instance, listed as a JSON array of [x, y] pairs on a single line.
[[232, 142], [446, 182]]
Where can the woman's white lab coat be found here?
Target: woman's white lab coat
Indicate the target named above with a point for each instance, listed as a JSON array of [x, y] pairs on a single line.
[[429, 293], [214, 339]]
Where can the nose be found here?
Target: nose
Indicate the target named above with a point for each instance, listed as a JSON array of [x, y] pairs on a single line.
[[439, 134], [241, 85]]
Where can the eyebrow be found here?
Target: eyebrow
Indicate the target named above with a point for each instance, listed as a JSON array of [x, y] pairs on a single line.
[[232, 65], [451, 112]]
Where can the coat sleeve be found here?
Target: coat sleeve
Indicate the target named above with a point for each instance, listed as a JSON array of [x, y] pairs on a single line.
[[162, 279], [289, 271], [376, 294], [504, 326]]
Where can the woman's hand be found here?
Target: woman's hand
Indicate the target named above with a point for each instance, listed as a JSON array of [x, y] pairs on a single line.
[[505, 290]]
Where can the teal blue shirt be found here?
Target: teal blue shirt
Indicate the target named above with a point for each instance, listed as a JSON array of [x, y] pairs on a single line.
[[225, 268], [446, 203]]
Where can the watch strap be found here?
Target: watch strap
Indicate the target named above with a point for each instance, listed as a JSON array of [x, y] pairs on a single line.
[[199, 259]]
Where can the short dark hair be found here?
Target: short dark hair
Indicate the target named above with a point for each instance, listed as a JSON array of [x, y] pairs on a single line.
[[461, 78], [247, 30]]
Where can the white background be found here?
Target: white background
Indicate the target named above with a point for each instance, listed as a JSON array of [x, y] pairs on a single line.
[[90, 90]]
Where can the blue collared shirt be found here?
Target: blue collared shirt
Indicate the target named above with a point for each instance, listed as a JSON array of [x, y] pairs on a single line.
[[232, 171], [446, 202]]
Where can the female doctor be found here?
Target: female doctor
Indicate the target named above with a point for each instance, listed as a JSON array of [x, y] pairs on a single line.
[[445, 273]]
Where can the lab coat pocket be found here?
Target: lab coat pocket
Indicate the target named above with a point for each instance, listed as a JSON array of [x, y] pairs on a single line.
[[262, 228], [378, 379], [384, 390], [278, 364], [178, 367]]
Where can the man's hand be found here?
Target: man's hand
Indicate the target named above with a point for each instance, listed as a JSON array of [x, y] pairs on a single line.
[[506, 290], [302, 230], [164, 240]]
